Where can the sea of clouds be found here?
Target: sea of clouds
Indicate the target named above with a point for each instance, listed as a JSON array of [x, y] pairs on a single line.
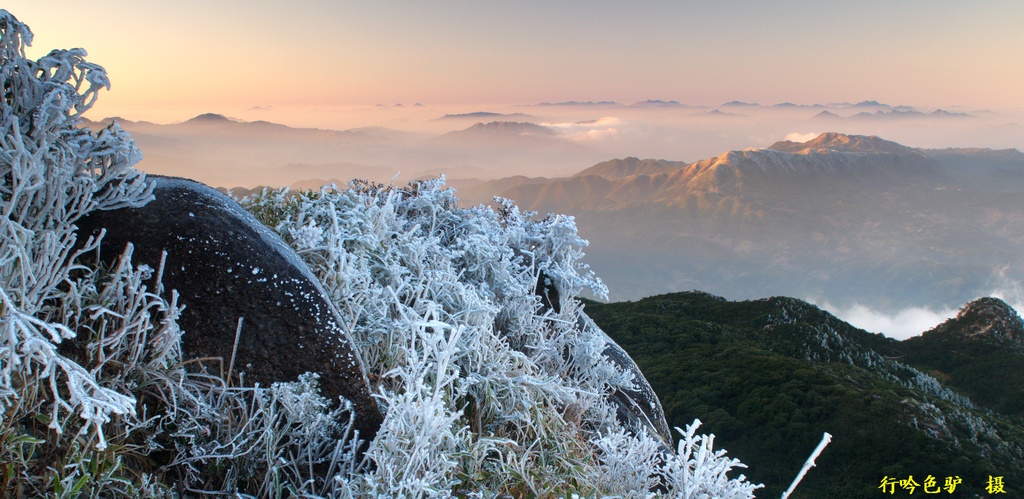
[[913, 321]]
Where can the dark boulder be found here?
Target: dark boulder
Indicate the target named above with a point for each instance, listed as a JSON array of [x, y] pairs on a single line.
[[225, 265], [637, 408]]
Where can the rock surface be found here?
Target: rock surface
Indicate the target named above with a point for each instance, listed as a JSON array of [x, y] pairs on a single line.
[[985, 318], [638, 408], [226, 265]]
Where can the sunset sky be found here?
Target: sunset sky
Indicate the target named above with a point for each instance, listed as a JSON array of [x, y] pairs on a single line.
[[169, 59]]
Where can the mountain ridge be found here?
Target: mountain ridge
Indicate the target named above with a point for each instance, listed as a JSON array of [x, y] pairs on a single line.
[[627, 167], [862, 159], [844, 218], [768, 376], [986, 318], [839, 142], [496, 129], [980, 352]]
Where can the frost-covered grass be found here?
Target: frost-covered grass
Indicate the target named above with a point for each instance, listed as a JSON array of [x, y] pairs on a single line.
[[486, 391]]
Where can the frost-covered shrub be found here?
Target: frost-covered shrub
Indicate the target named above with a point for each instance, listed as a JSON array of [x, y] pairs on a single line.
[[632, 465], [281, 441], [486, 389], [697, 471], [93, 393], [52, 172], [127, 343], [425, 283]]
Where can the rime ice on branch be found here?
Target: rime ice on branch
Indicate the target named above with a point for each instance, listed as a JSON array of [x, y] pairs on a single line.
[[52, 172]]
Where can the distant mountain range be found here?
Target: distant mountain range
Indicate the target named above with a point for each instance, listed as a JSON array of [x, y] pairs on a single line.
[[769, 376], [501, 131], [229, 152], [844, 218], [867, 106], [224, 152], [481, 116], [580, 103], [892, 114]]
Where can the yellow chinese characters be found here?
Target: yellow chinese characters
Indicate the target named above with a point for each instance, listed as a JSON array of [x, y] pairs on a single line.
[[995, 485], [931, 485]]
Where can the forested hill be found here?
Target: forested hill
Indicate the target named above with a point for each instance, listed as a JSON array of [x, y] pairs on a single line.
[[768, 377], [979, 352]]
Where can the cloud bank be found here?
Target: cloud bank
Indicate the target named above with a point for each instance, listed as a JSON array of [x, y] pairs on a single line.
[[916, 320], [603, 128], [802, 137], [900, 325]]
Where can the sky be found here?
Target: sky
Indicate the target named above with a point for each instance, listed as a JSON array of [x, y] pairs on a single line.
[[169, 59]]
